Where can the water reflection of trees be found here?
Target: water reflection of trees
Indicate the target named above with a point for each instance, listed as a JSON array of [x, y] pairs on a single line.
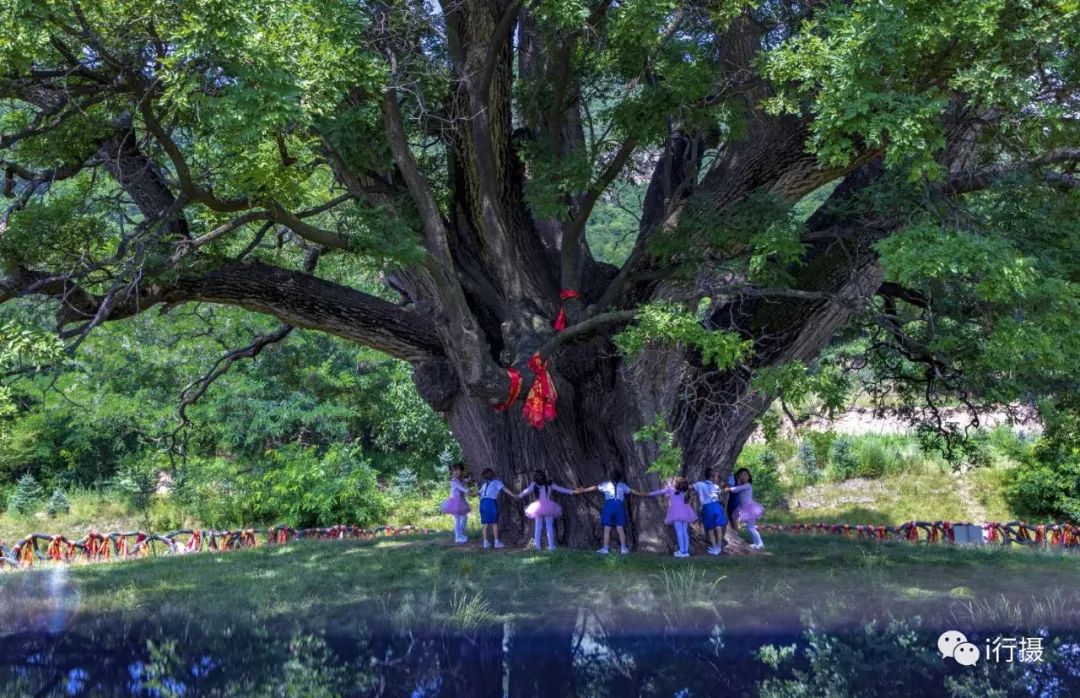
[[585, 654]]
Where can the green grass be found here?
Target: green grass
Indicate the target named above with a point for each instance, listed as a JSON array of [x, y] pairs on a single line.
[[928, 492], [424, 582]]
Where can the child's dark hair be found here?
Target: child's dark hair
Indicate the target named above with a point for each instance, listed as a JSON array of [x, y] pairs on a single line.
[[488, 473], [708, 473], [749, 477], [541, 478], [681, 484], [457, 466], [617, 476]]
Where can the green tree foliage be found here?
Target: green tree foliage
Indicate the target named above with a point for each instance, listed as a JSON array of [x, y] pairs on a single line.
[[669, 457], [373, 171], [295, 484], [1047, 483], [117, 403]]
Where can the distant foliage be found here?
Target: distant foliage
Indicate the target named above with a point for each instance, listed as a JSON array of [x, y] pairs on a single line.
[[842, 462], [298, 485], [807, 471], [764, 467], [137, 481], [1047, 483], [26, 496], [58, 503]]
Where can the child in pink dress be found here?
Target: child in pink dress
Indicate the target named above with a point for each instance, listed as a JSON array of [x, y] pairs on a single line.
[[679, 514], [543, 511], [456, 504], [747, 510]]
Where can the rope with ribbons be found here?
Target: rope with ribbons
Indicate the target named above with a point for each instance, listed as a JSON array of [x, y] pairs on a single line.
[[126, 545], [1055, 535]]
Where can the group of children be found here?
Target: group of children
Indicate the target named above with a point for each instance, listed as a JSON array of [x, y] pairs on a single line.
[[544, 510]]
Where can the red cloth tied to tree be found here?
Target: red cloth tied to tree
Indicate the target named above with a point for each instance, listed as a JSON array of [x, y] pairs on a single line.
[[515, 390], [564, 295], [540, 402]]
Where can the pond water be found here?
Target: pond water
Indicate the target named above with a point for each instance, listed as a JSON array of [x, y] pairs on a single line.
[[49, 647], [580, 656]]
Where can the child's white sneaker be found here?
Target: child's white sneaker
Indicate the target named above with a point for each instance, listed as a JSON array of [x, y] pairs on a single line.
[[462, 540], [604, 550], [758, 546], [486, 545], [498, 544], [681, 554], [551, 547], [624, 550], [714, 551]]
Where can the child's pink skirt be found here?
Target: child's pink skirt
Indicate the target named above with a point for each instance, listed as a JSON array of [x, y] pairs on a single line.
[[749, 512], [543, 507], [679, 511], [456, 505]]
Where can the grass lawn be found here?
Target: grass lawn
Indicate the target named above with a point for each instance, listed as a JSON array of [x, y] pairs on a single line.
[[425, 582]]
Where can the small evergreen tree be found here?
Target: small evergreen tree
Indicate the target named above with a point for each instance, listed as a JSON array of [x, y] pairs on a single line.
[[58, 503], [404, 483], [26, 495]]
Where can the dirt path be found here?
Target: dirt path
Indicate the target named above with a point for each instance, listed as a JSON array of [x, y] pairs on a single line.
[[966, 491]]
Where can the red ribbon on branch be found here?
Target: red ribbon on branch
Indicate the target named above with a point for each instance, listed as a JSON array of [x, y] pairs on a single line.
[[564, 295], [515, 390], [540, 402]]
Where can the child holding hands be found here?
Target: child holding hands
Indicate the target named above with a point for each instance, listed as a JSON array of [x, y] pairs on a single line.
[[614, 513]]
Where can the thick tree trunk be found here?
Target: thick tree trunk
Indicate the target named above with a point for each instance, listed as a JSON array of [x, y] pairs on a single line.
[[601, 405], [604, 400]]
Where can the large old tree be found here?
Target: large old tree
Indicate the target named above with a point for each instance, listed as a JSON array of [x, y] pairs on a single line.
[[420, 179]]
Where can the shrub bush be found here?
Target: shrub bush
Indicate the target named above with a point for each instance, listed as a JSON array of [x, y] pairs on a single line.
[[1009, 444], [1046, 490], [302, 486], [1047, 483]]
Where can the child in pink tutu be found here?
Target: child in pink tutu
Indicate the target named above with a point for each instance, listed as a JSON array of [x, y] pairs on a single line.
[[456, 505], [747, 510], [679, 514], [543, 511]]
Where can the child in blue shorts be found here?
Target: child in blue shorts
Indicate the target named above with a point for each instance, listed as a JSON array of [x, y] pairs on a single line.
[[614, 513], [489, 506], [712, 511]]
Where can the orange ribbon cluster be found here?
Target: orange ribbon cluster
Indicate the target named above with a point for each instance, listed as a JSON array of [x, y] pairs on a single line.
[[96, 547]]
